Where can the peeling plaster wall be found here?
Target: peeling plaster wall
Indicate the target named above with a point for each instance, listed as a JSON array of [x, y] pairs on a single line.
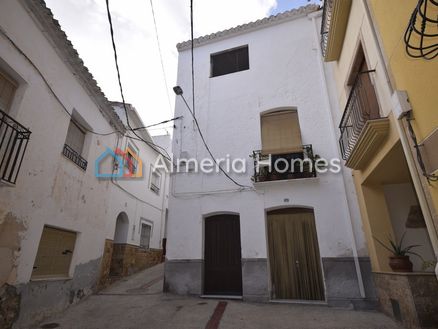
[[11, 230], [40, 299], [51, 189]]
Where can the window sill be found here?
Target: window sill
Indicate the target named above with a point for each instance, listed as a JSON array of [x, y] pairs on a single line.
[[51, 278], [6, 183], [283, 181]]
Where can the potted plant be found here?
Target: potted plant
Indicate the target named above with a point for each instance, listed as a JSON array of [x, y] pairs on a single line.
[[399, 261]]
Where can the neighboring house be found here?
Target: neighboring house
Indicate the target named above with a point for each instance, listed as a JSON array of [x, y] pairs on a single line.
[[260, 91], [136, 238], [377, 90], [164, 141], [58, 221]]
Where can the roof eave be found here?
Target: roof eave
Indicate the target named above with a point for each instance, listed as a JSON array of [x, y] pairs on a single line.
[[249, 27], [51, 28]]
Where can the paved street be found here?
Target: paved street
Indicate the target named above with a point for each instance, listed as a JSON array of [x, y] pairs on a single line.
[[137, 302]]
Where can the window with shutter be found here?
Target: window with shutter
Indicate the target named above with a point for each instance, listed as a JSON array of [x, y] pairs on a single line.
[[155, 182], [145, 236], [75, 137], [131, 162], [229, 61], [7, 91], [54, 254], [281, 132]]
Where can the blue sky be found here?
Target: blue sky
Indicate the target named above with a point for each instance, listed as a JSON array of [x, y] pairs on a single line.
[[284, 5]]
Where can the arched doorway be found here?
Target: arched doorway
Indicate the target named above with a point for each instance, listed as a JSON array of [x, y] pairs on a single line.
[[122, 227], [222, 256], [117, 267], [294, 258]]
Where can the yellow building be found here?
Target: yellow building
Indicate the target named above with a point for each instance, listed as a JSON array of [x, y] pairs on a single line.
[[381, 93]]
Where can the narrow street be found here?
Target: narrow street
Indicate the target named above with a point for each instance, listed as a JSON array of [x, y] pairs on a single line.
[[137, 302]]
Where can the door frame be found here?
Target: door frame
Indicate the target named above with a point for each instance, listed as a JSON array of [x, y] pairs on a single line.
[[300, 301], [204, 217]]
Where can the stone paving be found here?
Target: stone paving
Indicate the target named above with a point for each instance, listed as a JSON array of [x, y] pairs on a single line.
[[137, 302]]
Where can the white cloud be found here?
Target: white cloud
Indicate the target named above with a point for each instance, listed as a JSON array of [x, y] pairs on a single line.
[[86, 25]]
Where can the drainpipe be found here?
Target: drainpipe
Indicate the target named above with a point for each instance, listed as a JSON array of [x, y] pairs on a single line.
[[426, 208], [163, 211], [361, 286], [416, 180]]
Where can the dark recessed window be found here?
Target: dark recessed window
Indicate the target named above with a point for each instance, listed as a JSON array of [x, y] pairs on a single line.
[[229, 61]]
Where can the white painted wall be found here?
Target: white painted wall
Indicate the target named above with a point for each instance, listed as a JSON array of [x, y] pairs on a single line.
[[52, 190], [144, 204], [283, 73]]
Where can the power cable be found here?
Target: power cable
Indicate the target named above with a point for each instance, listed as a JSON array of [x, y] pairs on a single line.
[[116, 60], [178, 91], [64, 108], [161, 56], [429, 177], [159, 123], [193, 58]]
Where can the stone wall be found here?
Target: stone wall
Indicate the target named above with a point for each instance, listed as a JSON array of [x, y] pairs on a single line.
[[410, 298], [104, 279], [147, 258], [121, 259]]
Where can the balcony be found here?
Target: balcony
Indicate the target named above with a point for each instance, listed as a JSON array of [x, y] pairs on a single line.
[[286, 166], [74, 156], [362, 128], [334, 24], [13, 143]]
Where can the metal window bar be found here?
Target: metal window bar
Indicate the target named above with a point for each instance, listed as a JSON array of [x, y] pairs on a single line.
[[155, 188], [358, 110], [75, 157], [14, 138], [325, 24], [308, 170]]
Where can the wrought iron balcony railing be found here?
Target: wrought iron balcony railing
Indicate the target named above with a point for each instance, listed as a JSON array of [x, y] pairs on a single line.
[[362, 106], [325, 25], [74, 156], [14, 138], [294, 165]]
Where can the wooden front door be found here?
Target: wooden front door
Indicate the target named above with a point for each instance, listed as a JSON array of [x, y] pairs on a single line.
[[294, 255], [222, 256]]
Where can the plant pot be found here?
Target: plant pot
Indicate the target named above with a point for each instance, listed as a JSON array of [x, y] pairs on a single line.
[[400, 263], [261, 178]]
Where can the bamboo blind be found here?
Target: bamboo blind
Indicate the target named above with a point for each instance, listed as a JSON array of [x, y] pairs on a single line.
[[281, 132], [294, 255]]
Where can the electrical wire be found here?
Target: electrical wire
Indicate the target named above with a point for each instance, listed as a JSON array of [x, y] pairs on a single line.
[[116, 60], [161, 56], [193, 57], [432, 178], [208, 148], [193, 113], [64, 108], [159, 123]]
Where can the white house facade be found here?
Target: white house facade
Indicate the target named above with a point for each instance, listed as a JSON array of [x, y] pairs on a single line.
[[275, 235], [63, 231]]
